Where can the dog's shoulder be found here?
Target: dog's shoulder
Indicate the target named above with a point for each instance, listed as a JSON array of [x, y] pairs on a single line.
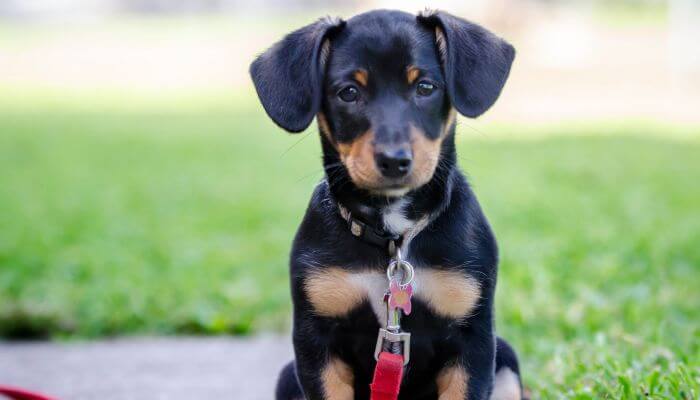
[[324, 239], [317, 226], [320, 214], [461, 235]]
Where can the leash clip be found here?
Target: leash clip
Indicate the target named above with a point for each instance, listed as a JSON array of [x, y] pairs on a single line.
[[391, 338]]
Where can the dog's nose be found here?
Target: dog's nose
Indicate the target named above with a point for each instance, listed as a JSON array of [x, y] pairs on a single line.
[[394, 163]]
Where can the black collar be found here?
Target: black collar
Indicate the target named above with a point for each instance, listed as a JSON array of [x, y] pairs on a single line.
[[358, 219]]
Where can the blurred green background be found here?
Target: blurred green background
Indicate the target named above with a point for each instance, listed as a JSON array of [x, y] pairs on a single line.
[[144, 191]]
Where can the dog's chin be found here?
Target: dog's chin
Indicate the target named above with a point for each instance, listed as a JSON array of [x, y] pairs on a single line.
[[383, 188], [395, 189]]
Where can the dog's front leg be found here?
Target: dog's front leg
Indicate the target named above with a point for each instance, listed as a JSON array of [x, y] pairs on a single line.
[[471, 375], [322, 375]]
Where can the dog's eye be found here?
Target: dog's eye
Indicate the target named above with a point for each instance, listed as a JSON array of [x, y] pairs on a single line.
[[425, 88], [349, 94]]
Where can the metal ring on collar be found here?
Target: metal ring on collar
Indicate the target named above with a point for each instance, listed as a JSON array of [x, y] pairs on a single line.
[[407, 268]]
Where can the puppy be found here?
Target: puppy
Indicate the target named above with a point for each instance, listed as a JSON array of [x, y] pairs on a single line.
[[385, 87]]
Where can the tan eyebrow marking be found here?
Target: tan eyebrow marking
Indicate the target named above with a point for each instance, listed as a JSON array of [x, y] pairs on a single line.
[[361, 77], [412, 74]]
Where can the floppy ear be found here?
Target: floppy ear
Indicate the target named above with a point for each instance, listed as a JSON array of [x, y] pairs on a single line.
[[476, 62], [288, 77]]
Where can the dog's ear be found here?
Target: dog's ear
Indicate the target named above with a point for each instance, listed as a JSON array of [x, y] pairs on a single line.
[[475, 61], [288, 77]]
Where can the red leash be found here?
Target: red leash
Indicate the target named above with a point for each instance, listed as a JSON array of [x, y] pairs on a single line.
[[21, 394], [387, 377]]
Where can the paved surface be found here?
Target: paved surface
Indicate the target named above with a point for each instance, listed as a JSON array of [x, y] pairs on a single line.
[[148, 368]]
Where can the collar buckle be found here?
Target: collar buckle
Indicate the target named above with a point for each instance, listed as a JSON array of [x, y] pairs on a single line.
[[368, 233], [357, 228]]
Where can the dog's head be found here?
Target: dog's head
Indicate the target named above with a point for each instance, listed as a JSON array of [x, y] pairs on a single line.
[[384, 86]]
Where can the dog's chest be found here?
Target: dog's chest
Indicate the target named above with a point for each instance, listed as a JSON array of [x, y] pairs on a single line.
[[335, 292]]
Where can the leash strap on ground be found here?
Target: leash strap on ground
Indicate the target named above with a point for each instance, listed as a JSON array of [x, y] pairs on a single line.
[[387, 377], [21, 394]]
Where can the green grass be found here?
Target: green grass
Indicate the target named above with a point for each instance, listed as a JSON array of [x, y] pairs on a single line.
[[121, 222]]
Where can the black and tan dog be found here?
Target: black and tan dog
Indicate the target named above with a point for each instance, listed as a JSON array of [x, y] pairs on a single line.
[[385, 87]]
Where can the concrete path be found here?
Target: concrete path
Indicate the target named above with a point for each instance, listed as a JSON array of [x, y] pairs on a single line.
[[148, 368]]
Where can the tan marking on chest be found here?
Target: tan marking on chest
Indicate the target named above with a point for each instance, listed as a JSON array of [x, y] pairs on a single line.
[[334, 292], [452, 383], [338, 380], [449, 293]]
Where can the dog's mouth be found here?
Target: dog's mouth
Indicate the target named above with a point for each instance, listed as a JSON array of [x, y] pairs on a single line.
[[368, 178]]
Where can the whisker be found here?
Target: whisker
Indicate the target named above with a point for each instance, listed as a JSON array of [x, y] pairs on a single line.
[[304, 136]]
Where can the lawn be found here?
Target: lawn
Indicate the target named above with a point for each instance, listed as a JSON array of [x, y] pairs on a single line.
[[118, 222]]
